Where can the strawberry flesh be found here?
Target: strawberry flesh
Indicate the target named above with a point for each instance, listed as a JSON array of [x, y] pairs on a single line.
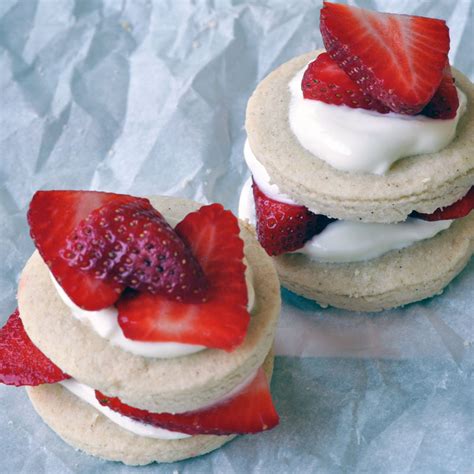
[[52, 216], [133, 245], [21, 362], [445, 102], [325, 81], [282, 227], [220, 320], [459, 209], [251, 410], [96, 244], [397, 59]]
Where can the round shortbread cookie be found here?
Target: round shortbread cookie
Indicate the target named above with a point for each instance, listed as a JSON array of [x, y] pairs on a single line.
[[422, 183], [159, 385], [397, 278], [84, 428]]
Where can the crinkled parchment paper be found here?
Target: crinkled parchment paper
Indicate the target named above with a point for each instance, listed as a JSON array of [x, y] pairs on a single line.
[[149, 98]]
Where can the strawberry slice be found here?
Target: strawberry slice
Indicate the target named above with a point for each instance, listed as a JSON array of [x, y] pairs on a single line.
[[325, 81], [445, 102], [397, 59], [97, 244], [21, 362], [52, 216], [221, 319], [457, 210], [284, 227], [251, 410]]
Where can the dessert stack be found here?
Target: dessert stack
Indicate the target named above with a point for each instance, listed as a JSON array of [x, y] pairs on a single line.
[[139, 340], [362, 162]]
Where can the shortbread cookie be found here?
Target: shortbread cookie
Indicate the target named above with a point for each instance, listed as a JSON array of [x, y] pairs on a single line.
[[158, 385], [82, 426], [394, 279], [422, 183]]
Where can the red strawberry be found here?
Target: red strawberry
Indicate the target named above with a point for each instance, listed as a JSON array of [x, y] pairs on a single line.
[[325, 81], [457, 210], [284, 227], [445, 102], [21, 362], [397, 59], [221, 319], [249, 411], [96, 244]]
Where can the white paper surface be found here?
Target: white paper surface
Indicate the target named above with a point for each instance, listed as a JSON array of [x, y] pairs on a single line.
[[149, 98]]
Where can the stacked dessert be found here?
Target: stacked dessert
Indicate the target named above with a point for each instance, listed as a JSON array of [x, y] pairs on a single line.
[[141, 342], [362, 163]]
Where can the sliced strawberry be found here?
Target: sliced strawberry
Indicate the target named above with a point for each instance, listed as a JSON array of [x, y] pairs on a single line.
[[249, 411], [221, 319], [457, 210], [96, 244], [325, 81], [53, 215], [284, 227], [21, 362], [397, 59], [132, 244], [445, 102]]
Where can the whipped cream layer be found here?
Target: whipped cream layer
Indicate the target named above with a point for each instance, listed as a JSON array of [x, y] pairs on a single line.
[[105, 323], [345, 241], [359, 140], [87, 394]]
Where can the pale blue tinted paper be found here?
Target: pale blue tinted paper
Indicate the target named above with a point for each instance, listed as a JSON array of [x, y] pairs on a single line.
[[149, 98]]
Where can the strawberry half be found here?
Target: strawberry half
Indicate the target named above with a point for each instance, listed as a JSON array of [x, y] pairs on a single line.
[[97, 244], [284, 227], [457, 210], [325, 81], [21, 362], [220, 320], [445, 102], [249, 411], [397, 59]]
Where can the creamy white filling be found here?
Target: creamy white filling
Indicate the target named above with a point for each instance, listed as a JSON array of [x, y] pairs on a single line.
[[345, 241], [87, 394], [358, 140], [262, 178], [105, 323]]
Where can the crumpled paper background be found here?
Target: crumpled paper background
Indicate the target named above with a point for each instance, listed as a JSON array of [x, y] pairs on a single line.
[[149, 98]]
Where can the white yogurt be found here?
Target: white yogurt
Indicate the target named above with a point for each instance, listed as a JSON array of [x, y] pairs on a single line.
[[87, 394], [105, 323], [262, 178], [344, 241], [359, 140]]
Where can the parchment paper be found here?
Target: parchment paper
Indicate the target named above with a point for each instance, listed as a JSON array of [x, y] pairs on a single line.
[[149, 98]]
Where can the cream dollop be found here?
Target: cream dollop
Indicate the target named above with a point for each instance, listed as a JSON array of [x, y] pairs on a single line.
[[358, 140], [345, 241]]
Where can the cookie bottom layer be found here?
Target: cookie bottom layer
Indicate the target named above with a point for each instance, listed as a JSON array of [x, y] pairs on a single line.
[[394, 279], [84, 428]]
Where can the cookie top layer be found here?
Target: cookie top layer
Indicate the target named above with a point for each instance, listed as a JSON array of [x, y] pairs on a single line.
[[422, 183], [160, 385]]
